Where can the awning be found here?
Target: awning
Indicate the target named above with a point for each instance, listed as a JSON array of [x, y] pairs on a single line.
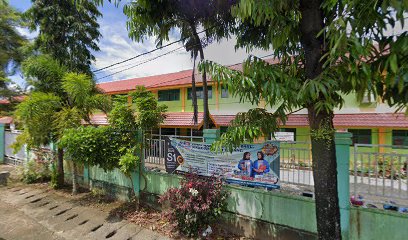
[[97, 119], [369, 120], [172, 120], [182, 119], [388, 120], [6, 120]]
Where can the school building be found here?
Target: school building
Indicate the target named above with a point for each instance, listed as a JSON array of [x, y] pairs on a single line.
[[370, 121]]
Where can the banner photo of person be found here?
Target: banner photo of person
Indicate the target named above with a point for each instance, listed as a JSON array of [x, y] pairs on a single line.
[[248, 165]]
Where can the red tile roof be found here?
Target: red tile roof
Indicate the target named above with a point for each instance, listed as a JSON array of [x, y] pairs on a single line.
[[163, 80], [222, 120], [6, 120], [182, 119], [174, 119], [98, 119], [397, 120], [16, 98], [158, 81]]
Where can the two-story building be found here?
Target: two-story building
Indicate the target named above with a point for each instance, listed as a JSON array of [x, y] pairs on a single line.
[[371, 122]]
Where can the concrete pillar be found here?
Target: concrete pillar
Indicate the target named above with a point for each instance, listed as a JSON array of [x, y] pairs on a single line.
[[86, 175], [136, 175], [2, 142], [343, 141], [210, 135]]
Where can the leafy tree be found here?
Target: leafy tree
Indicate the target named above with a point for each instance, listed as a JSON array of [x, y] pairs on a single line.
[[115, 145], [11, 42], [68, 31], [324, 49], [60, 100], [159, 17]]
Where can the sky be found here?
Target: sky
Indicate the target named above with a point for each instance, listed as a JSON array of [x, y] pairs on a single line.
[[116, 46]]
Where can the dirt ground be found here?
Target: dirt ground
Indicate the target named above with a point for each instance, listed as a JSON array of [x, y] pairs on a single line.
[[144, 216]]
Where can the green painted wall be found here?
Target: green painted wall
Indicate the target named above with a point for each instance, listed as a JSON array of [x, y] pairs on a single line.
[[172, 106], [295, 211], [350, 101], [275, 207], [114, 177], [211, 104], [371, 224], [2, 142], [158, 183], [272, 207], [233, 103]]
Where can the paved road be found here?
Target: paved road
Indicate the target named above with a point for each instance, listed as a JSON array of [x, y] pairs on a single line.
[[27, 213]]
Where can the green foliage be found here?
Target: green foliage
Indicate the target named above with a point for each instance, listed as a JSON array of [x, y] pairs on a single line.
[[11, 43], [60, 100], [149, 112], [246, 127], [11, 40], [129, 162], [358, 57], [34, 172], [44, 73], [114, 146], [54, 176], [92, 146], [68, 31], [197, 203], [159, 17], [37, 114]]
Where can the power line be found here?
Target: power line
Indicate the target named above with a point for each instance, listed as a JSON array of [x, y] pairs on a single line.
[[141, 63], [173, 80], [142, 54]]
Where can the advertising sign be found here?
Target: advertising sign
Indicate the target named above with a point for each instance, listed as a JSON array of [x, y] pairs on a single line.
[[284, 136], [249, 164]]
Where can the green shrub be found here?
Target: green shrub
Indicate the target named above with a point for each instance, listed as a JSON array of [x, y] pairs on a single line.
[[34, 172]]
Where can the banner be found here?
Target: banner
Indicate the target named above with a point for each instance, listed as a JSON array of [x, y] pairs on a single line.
[[249, 164]]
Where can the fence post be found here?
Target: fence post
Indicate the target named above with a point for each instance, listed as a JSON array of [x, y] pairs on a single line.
[[343, 141], [86, 175], [2, 142], [210, 135], [138, 173]]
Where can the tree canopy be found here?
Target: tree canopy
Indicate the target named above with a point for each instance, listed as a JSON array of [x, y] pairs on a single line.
[[322, 50], [159, 18], [68, 31], [11, 44]]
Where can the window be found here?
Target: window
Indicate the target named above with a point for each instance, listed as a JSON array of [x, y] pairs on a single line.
[[120, 98], [223, 130], [362, 136], [224, 93], [400, 137], [200, 92], [169, 95]]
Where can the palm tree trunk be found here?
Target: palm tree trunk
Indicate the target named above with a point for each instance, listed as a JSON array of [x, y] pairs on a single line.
[[74, 179], [194, 91], [60, 179], [205, 92], [199, 45]]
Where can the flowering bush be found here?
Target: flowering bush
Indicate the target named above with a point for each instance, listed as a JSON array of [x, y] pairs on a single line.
[[195, 204]]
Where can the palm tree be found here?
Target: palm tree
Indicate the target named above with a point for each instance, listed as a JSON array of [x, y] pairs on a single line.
[[159, 17], [52, 108]]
